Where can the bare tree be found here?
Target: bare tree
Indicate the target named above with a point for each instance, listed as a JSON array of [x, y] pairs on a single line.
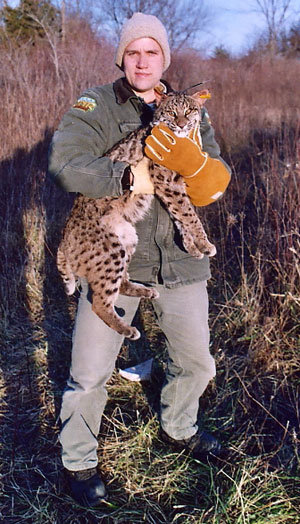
[[52, 37], [184, 20], [275, 13]]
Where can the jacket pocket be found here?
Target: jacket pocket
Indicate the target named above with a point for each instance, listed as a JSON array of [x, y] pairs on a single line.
[[146, 249], [127, 127]]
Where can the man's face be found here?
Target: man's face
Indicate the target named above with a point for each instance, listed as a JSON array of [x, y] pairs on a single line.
[[143, 63]]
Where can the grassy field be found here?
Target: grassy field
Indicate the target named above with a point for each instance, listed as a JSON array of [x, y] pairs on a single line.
[[253, 405]]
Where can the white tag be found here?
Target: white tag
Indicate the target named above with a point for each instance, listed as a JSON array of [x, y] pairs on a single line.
[[217, 195]]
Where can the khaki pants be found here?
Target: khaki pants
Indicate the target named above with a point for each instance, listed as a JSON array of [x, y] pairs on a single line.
[[182, 314]]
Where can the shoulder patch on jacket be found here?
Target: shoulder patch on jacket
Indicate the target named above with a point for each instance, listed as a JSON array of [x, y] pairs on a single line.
[[85, 104]]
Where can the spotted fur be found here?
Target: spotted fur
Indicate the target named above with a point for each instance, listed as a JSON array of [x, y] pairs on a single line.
[[99, 238]]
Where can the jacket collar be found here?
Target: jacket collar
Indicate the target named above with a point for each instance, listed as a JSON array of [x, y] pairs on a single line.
[[123, 90]]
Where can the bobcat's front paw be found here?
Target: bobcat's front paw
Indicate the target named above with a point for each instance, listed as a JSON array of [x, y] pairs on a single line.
[[209, 249], [204, 246], [191, 247], [199, 248], [153, 293]]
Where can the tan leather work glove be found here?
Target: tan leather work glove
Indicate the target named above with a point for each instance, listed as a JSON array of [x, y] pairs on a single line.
[[183, 155], [141, 178], [206, 178]]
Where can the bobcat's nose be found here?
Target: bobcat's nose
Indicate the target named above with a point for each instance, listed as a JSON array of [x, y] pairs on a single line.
[[181, 122]]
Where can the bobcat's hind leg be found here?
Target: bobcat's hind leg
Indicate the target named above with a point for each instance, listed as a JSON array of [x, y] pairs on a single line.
[[105, 293], [131, 289], [104, 300], [107, 313], [66, 272]]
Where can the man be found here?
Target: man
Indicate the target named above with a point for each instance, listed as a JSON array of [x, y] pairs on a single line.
[[99, 119]]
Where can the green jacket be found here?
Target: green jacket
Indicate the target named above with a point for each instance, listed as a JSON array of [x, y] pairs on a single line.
[[103, 116]]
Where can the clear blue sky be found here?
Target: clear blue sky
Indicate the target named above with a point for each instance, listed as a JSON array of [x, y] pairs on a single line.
[[234, 25], [237, 24]]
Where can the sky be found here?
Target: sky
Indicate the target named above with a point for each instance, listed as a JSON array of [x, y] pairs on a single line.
[[234, 25], [237, 24]]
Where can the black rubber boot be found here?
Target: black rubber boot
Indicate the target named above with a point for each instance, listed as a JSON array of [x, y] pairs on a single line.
[[86, 487], [201, 445]]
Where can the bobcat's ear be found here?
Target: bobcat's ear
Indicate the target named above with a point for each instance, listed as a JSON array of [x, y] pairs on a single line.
[[160, 91], [159, 97], [201, 96]]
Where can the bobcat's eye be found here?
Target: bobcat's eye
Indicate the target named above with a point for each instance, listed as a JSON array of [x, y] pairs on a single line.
[[189, 111], [172, 113]]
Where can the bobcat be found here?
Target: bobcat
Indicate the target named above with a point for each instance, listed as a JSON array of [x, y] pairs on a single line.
[[99, 238]]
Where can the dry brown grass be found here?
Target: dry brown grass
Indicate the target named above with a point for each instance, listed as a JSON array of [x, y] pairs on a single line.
[[253, 405]]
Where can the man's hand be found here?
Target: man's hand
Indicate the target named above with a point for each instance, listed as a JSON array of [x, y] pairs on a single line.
[[206, 178], [181, 154], [141, 178]]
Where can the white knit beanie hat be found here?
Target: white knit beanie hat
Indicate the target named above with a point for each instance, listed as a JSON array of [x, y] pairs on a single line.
[[141, 26]]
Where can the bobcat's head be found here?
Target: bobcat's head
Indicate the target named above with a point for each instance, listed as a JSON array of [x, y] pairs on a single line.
[[180, 112]]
